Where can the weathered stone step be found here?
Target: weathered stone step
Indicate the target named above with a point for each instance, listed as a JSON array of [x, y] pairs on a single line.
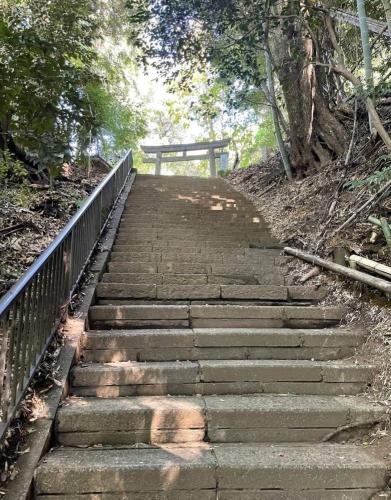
[[238, 253], [227, 316], [182, 235], [268, 276], [219, 377], [197, 274], [254, 262], [227, 419], [180, 209], [132, 222], [89, 421], [112, 290], [196, 228], [131, 239], [207, 472], [213, 316], [202, 344]]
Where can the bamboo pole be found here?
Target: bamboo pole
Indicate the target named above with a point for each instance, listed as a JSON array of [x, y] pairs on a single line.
[[371, 265], [375, 221], [380, 284], [382, 222], [367, 53], [386, 230]]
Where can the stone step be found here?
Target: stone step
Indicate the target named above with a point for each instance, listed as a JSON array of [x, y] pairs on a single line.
[[194, 267], [198, 229], [167, 254], [112, 290], [207, 472], [197, 274], [132, 222], [210, 235], [182, 235], [202, 344], [179, 209], [209, 218], [213, 316], [219, 377], [238, 253], [131, 239], [216, 419]]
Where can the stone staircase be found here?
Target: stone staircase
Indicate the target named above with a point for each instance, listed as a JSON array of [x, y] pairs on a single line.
[[206, 374]]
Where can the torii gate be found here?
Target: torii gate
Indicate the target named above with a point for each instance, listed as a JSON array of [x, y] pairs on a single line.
[[210, 148]]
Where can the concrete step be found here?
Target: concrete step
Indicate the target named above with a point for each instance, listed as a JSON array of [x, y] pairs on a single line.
[[208, 472], [107, 290], [216, 419], [202, 344], [219, 377], [213, 316]]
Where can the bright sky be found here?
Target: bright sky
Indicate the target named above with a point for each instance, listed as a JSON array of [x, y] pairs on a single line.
[[153, 90]]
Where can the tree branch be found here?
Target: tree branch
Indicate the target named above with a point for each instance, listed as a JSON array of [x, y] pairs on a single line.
[[341, 69]]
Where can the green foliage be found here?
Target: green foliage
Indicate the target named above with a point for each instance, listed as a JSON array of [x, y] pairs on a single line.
[[11, 169], [45, 60], [374, 180], [265, 135], [58, 93], [121, 124]]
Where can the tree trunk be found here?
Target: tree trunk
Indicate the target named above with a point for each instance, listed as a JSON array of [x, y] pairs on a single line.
[[366, 48], [8, 142], [316, 134], [276, 122], [387, 8]]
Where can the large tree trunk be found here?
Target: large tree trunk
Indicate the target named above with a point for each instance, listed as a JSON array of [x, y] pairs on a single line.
[[315, 132], [7, 142]]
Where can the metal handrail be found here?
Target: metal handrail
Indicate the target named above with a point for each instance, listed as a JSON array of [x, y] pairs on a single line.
[[31, 311]]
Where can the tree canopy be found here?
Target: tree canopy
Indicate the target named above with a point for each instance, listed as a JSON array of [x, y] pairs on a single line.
[[59, 93], [235, 39], [71, 79]]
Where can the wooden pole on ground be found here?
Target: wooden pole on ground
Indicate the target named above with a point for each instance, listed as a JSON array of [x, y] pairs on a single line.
[[380, 284], [371, 265]]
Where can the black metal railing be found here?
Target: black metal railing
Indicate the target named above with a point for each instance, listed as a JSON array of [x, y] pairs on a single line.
[[31, 311]]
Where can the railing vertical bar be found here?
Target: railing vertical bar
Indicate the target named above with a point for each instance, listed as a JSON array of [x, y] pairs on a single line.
[[18, 341], [48, 319], [25, 335], [58, 267], [33, 325], [8, 346], [42, 308], [57, 274], [10, 361]]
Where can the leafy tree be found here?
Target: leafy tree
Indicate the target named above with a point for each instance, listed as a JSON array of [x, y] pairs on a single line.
[[233, 37], [55, 96]]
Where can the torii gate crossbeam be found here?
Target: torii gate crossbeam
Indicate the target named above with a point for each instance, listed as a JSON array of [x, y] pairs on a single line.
[[213, 150]]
